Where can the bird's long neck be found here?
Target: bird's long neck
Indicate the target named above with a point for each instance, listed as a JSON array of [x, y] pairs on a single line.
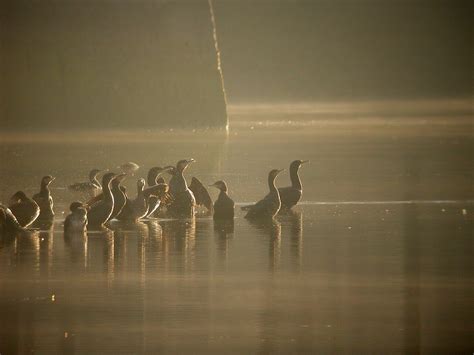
[[139, 191], [94, 180], [45, 189], [181, 181], [107, 192], [295, 178], [271, 184], [223, 193]]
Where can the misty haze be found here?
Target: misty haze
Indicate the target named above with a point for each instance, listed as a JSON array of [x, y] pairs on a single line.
[[143, 203]]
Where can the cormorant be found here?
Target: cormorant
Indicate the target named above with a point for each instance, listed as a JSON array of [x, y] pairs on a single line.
[[8, 222], [201, 194], [44, 199], [76, 221], [152, 180], [24, 209], [269, 206], [290, 195], [118, 194], [224, 205], [184, 201], [137, 208], [92, 186], [100, 211]]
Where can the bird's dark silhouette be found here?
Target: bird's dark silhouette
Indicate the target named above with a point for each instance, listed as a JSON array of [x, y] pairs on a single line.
[[224, 205], [269, 206], [291, 195]]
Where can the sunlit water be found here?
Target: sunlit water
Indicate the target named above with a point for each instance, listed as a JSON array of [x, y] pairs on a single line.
[[377, 259]]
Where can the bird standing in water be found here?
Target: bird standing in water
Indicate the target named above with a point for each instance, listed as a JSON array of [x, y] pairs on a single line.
[[24, 209], [269, 206], [44, 199], [224, 205], [291, 195], [136, 208], [152, 180], [119, 196], [201, 195], [184, 202], [92, 186], [76, 221], [100, 211]]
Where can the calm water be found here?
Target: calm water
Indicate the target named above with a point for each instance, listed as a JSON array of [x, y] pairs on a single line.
[[378, 258]]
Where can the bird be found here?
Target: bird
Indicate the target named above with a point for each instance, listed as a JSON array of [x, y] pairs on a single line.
[[224, 205], [76, 221], [129, 168], [92, 186], [137, 208], [201, 194], [291, 195], [184, 202], [8, 223], [269, 206], [24, 209], [152, 180], [100, 211], [117, 193], [44, 199]]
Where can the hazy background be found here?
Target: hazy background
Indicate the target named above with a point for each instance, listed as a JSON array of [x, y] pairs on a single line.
[[133, 64]]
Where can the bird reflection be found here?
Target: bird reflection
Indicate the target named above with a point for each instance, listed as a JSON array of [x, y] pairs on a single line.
[[76, 244], [224, 232], [44, 224], [293, 219], [181, 239], [272, 228]]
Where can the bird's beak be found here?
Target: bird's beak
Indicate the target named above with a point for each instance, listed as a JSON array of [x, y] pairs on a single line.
[[305, 161], [190, 161], [279, 171], [167, 168], [213, 185]]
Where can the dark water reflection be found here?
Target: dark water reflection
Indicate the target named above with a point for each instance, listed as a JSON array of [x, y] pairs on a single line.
[[324, 278]]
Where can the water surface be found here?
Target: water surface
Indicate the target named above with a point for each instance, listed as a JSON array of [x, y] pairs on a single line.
[[377, 258]]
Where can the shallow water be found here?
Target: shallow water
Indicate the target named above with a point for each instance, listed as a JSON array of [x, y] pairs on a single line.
[[377, 259]]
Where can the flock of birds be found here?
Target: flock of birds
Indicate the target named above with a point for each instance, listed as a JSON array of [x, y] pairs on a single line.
[[155, 198]]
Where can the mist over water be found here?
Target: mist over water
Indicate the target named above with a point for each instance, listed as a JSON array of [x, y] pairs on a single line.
[[376, 258]]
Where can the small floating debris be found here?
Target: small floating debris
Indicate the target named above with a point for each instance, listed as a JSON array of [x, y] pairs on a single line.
[[66, 335], [349, 227], [464, 212], [443, 210], [53, 298]]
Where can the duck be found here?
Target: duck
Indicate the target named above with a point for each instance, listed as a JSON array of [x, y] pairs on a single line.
[[269, 206], [25, 210], [291, 195], [92, 186], [224, 205]]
